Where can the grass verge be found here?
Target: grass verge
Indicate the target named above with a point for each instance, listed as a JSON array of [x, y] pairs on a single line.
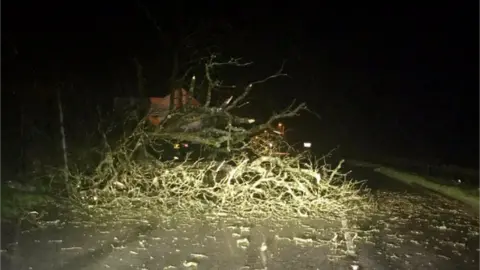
[[18, 205], [450, 191], [468, 196]]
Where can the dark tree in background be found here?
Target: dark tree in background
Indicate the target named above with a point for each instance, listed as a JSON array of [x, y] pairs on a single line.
[[405, 87], [90, 59]]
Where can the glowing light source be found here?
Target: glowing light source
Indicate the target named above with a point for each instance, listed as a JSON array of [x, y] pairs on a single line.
[[307, 144], [281, 128]]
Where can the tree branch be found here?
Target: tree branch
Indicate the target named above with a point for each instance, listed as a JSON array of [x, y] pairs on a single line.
[[250, 86], [217, 126]]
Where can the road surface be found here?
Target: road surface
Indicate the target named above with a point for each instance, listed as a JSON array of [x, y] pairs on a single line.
[[412, 229]]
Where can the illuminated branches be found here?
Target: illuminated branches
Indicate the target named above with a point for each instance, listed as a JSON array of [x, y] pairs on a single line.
[[217, 125], [261, 184], [256, 177]]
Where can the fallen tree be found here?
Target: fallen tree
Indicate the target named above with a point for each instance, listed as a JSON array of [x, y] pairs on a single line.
[[250, 180], [217, 125], [251, 183]]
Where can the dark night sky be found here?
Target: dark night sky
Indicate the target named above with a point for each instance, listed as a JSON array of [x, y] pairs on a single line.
[[394, 79]]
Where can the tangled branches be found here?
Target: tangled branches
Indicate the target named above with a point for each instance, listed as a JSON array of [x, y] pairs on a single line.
[[259, 175], [250, 183], [216, 125]]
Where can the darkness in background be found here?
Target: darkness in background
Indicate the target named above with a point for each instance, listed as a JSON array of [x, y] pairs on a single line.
[[387, 79]]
